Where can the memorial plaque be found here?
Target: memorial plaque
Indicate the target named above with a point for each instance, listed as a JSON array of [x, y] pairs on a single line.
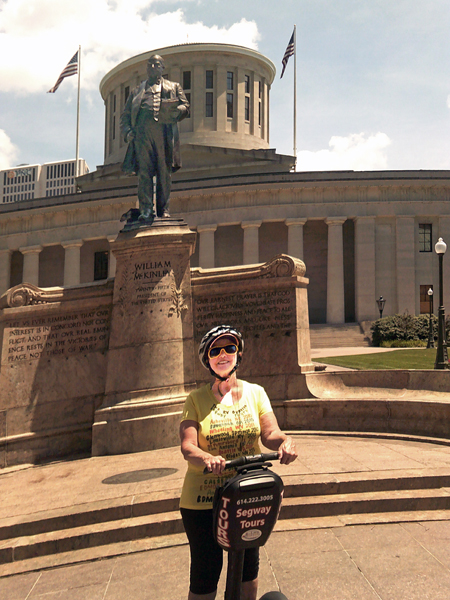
[[155, 284], [66, 334], [251, 311]]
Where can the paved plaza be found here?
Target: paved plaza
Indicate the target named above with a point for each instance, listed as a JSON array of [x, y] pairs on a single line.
[[334, 558]]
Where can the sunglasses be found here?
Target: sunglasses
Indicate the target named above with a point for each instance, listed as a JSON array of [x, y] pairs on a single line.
[[230, 349]]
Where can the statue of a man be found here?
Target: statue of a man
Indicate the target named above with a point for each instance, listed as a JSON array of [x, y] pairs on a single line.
[[149, 123]]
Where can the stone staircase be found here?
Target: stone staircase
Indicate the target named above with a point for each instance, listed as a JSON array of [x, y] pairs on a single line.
[[104, 528], [337, 336]]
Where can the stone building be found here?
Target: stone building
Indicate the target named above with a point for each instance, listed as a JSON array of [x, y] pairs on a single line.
[[361, 234]]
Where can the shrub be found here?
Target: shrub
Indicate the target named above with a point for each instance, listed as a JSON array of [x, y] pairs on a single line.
[[404, 328], [404, 344]]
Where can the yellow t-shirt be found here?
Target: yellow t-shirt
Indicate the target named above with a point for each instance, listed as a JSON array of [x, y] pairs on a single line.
[[230, 431]]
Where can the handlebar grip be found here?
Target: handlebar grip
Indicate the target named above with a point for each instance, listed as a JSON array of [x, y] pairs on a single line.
[[247, 460]]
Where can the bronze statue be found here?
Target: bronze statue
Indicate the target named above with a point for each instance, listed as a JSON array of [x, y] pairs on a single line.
[[149, 124]]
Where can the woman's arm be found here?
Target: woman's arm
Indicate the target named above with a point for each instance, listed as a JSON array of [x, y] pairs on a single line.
[[195, 455], [273, 438]]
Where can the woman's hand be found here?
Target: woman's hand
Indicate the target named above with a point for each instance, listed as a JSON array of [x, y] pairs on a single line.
[[287, 451], [274, 439], [214, 464]]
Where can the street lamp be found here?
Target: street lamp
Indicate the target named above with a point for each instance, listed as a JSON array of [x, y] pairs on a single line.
[[441, 354], [430, 343], [381, 302]]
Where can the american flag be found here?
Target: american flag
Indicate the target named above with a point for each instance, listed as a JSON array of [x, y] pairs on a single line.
[[70, 69], [289, 52]]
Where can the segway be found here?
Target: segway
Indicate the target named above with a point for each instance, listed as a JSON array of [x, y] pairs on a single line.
[[245, 511]]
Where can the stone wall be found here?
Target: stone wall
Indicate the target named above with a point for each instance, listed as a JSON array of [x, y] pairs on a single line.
[[53, 366], [66, 372], [268, 304]]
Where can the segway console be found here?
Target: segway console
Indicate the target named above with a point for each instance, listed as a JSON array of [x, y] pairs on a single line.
[[245, 511]]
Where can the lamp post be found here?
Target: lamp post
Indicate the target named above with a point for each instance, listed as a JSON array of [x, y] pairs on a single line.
[[441, 354], [430, 343], [381, 302]]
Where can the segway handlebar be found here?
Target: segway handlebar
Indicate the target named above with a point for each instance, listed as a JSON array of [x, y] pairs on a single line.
[[248, 460]]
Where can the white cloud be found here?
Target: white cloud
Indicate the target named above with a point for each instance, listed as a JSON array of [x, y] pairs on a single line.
[[448, 101], [8, 151], [38, 37], [355, 152]]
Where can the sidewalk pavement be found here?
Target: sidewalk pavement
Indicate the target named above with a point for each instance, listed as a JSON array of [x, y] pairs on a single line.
[[321, 352], [394, 561]]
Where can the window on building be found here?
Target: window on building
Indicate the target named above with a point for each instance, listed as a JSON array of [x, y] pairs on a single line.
[[100, 265], [426, 300], [425, 236], [188, 98], [209, 109], [209, 84], [186, 80], [247, 98], [127, 93], [230, 80], [230, 105]]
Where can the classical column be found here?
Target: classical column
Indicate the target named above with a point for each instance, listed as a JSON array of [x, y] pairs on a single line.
[[335, 271], [5, 270], [365, 292], [221, 100], [72, 262], [206, 248], [112, 258], [31, 264], [251, 241], [295, 237], [405, 264]]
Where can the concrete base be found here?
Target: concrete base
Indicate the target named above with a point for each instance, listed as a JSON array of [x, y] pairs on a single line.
[[405, 402], [136, 426], [150, 356]]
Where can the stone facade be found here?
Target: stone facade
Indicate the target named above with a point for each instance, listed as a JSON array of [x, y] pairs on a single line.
[[359, 233]]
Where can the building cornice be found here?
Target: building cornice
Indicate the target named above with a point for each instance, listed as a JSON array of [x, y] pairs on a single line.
[[187, 49]]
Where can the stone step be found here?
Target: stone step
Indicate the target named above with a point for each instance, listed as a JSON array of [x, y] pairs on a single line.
[[300, 505], [337, 336], [90, 514], [164, 502], [366, 502]]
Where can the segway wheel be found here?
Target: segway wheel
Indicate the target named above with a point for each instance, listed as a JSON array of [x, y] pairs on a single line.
[[273, 596]]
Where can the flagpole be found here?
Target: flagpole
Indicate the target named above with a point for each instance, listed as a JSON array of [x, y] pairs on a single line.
[[295, 95], [77, 151]]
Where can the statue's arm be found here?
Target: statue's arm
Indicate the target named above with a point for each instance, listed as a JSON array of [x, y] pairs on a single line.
[[183, 107]]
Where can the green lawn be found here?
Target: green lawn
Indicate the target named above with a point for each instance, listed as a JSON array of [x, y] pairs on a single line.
[[419, 358]]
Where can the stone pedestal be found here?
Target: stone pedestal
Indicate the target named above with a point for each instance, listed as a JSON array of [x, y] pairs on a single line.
[[151, 354]]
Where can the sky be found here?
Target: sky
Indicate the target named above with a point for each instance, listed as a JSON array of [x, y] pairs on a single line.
[[373, 76]]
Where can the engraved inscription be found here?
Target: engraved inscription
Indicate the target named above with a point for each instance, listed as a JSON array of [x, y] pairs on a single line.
[[147, 283], [58, 335], [250, 311]]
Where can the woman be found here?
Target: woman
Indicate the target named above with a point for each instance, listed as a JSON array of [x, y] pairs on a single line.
[[222, 421]]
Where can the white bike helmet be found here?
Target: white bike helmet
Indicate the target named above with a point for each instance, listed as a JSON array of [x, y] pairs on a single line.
[[209, 338]]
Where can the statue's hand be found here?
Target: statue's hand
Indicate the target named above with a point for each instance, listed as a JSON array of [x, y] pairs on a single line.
[[182, 110], [130, 136]]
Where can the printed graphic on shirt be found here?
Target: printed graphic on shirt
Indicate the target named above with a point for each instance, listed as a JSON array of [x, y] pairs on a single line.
[[232, 433], [227, 431]]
